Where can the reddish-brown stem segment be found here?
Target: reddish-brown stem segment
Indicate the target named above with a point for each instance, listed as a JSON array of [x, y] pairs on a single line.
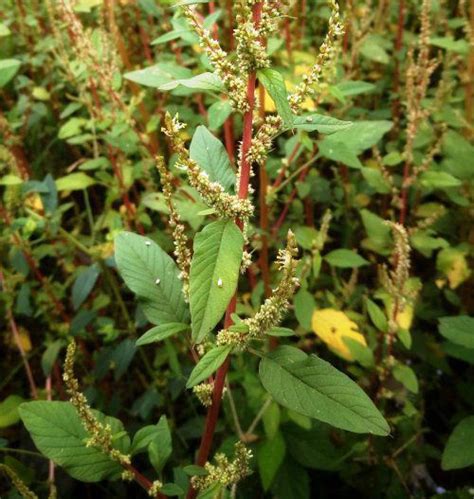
[[396, 73], [245, 170]]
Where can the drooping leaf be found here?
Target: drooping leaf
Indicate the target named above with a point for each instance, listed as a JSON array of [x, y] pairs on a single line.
[[208, 364], [84, 284], [459, 451], [274, 83], [160, 448], [214, 274], [312, 387], [58, 433], [153, 276], [50, 356], [270, 456], [209, 153], [406, 376], [377, 316]]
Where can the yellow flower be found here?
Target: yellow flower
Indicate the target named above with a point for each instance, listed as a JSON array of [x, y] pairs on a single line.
[[332, 326]]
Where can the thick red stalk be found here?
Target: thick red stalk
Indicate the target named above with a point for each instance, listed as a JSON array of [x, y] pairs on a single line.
[[245, 168]]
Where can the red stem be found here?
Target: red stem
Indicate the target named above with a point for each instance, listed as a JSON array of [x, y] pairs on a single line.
[[245, 167]]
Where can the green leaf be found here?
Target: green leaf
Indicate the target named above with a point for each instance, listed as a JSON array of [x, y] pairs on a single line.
[[450, 44], [218, 113], [379, 238], [270, 456], [153, 276], [158, 75], [4, 30], [351, 88], [171, 490], [74, 126], [320, 123], [304, 305], [459, 451], [362, 135], [84, 284], [361, 353], [377, 316], [214, 274], [143, 438], [280, 331], [58, 433], [372, 49], [8, 69], [74, 182], [208, 364], [160, 449], [439, 180], [314, 388], [314, 448], [345, 258], [271, 420], [376, 180], [168, 37], [10, 179], [204, 81], [406, 376], [340, 152], [274, 83], [211, 156], [9, 410], [292, 481], [161, 332], [50, 356], [459, 330]]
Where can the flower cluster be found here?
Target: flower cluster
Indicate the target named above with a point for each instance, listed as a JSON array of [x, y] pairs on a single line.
[[251, 52], [272, 12], [180, 240], [262, 141], [419, 71], [225, 69], [271, 312], [395, 280], [327, 53], [212, 193], [100, 435], [225, 472], [18, 482], [203, 392], [154, 490]]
